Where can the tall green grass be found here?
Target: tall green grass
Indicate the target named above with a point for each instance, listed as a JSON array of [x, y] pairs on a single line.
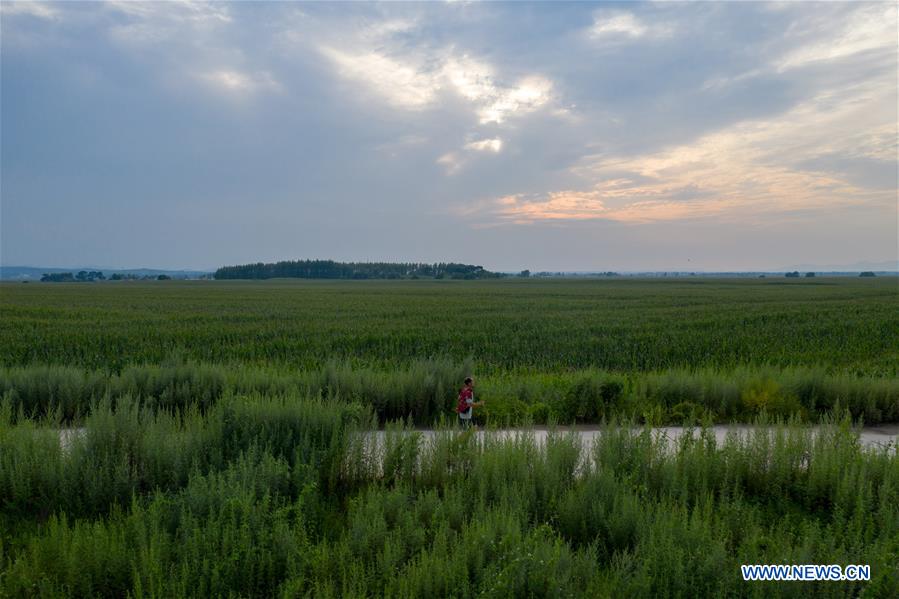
[[283, 497], [134, 450], [422, 392], [426, 391]]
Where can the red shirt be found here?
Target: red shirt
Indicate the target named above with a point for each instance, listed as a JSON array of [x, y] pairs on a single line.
[[466, 397]]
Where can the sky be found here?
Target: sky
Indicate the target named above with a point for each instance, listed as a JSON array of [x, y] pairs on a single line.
[[548, 136]]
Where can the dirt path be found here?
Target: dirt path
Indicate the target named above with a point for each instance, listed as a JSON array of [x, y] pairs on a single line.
[[874, 436]]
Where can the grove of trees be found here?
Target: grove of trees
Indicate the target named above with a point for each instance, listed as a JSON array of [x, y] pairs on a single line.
[[329, 269]]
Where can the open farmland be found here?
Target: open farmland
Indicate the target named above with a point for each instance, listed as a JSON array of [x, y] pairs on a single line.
[[222, 437], [575, 350], [845, 325]]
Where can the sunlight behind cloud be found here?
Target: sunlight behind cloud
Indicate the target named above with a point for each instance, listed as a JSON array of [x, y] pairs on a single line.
[[739, 173], [485, 145], [401, 84], [557, 205], [236, 81], [476, 81], [415, 83], [530, 94], [453, 162]]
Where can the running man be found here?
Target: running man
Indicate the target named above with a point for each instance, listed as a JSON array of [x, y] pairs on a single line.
[[466, 403]]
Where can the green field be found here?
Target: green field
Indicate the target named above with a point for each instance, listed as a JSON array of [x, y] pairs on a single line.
[[845, 325], [225, 438], [581, 350]]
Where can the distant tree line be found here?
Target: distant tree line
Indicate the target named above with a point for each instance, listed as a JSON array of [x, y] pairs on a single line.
[[134, 277], [329, 269], [67, 277], [547, 274], [96, 275], [58, 277]]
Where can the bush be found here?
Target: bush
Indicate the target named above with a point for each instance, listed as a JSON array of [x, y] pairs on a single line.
[[768, 396], [539, 413], [590, 398], [686, 412]]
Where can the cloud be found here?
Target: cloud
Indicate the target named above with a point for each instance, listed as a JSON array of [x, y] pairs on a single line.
[[416, 78], [557, 205], [237, 81], [155, 22], [618, 23], [798, 162], [416, 85], [395, 147], [419, 118], [455, 161], [485, 145], [834, 148], [403, 85], [476, 81], [40, 10], [611, 26], [387, 28], [612, 200], [452, 161], [183, 11], [191, 44], [870, 26]]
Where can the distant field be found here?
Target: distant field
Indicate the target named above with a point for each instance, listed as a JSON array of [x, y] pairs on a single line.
[[844, 325]]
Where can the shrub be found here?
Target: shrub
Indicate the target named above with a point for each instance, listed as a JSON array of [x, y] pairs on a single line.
[[768, 396], [539, 413], [686, 412], [589, 398]]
